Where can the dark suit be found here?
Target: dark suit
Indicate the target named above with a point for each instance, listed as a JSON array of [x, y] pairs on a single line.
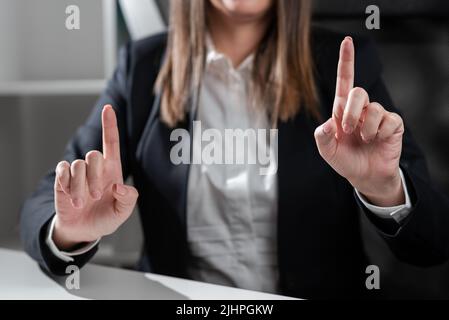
[[320, 251]]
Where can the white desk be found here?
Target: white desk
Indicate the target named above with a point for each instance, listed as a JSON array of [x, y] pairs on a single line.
[[21, 278]]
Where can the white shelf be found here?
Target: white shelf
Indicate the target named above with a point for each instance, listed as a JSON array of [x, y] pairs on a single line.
[[42, 57], [142, 17], [64, 87]]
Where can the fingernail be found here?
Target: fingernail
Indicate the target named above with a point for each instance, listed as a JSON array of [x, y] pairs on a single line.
[[347, 128], [96, 194], [77, 203], [121, 190], [348, 38]]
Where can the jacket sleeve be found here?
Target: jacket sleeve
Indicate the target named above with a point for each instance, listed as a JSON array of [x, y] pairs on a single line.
[[39, 209], [422, 238]]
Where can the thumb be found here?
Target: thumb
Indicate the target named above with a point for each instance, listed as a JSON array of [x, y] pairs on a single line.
[[125, 199], [326, 140]]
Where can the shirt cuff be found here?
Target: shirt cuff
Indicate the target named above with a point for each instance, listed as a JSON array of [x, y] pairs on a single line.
[[63, 255], [398, 213]]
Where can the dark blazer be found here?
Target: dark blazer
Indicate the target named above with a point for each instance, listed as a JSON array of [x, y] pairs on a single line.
[[320, 250]]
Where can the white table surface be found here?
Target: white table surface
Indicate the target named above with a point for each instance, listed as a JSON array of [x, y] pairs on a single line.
[[21, 278]]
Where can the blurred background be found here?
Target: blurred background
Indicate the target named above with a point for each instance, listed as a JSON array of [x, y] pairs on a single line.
[[50, 78]]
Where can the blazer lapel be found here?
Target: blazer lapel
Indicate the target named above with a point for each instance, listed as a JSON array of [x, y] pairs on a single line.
[[301, 175], [153, 153]]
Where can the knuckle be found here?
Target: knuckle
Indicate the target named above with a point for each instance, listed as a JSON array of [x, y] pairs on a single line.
[[62, 166], [78, 170], [317, 132], [94, 154], [376, 109], [358, 92], [395, 117], [134, 193], [78, 163]]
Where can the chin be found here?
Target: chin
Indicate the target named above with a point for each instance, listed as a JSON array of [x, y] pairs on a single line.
[[245, 9]]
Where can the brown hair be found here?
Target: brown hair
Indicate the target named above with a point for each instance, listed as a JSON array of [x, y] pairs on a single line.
[[283, 72]]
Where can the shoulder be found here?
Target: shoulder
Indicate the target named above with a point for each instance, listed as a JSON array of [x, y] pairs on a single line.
[[146, 53], [326, 49], [149, 47], [137, 70]]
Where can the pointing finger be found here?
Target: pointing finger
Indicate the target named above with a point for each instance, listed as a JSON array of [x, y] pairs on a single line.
[[345, 69], [345, 80], [111, 140]]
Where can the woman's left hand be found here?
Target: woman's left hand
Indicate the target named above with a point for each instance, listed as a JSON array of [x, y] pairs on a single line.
[[362, 141]]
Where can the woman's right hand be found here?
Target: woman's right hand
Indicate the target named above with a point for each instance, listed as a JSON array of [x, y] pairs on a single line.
[[91, 200]]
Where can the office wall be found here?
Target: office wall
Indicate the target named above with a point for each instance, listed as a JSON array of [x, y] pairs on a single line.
[[10, 171], [8, 40], [39, 47]]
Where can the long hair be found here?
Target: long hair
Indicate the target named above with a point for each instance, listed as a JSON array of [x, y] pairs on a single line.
[[282, 78]]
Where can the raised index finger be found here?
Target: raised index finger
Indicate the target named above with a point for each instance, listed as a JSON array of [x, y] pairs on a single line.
[[111, 140], [345, 71]]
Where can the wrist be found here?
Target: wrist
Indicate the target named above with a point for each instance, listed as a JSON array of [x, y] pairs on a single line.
[[63, 236], [384, 192]]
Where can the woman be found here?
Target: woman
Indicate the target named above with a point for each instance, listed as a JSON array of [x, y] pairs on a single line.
[[249, 65]]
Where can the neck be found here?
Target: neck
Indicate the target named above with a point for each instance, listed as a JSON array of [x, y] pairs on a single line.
[[236, 39]]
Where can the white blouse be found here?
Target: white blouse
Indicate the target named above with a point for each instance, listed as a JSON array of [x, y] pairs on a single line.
[[232, 208]]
